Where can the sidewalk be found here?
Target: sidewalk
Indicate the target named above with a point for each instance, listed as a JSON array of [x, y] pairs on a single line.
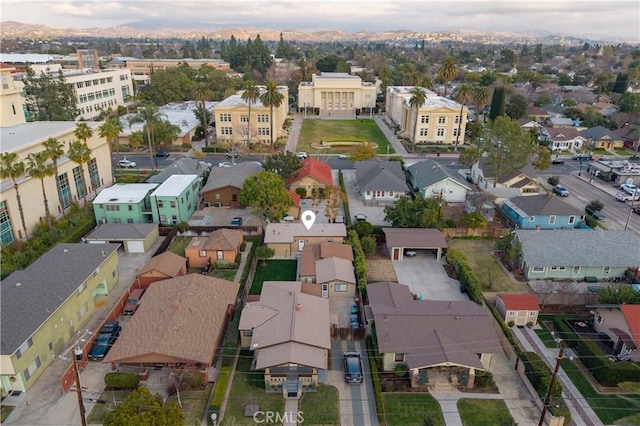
[[597, 183], [448, 401], [294, 134], [393, 140]]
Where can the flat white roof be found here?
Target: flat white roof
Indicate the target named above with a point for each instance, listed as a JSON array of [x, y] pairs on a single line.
[[236, 100], [124, 193], [178, 114], [175, 185], [23, 58], [25, 134]]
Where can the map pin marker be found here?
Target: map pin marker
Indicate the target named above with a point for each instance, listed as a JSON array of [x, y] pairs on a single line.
[[308, 219]]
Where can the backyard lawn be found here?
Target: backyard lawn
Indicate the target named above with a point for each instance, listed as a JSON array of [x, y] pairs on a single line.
[[274, 270], [486, 268], [320, 408], [484, 412], [179, 244], [408, 409], [315, 131]]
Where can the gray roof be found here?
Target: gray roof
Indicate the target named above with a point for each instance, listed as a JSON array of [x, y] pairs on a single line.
[[27, 134], [335, 268], [416, 238], [122, 231], [288, 232], [541, 205], [183, 166], [598, 132], [32, 295], [235, 175], [380, 175], [428, 172], [584, 248]]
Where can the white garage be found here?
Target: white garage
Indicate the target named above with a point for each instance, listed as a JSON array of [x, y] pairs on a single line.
[[133, 237]]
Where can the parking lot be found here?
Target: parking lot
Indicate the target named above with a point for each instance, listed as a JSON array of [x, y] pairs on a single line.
[[374, 214]]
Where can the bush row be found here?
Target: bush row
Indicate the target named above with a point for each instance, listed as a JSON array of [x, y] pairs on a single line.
[[359, 264], [121, 380], [220, 388], [606, 372], [375, 379], [345, 202], [466, 276], [539, 376]]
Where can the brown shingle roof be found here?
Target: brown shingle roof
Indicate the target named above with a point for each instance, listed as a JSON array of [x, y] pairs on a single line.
[[179, 320], [220, 239], [310, 254], [414, 238], [167, 263], [343, 251], [334, 268]]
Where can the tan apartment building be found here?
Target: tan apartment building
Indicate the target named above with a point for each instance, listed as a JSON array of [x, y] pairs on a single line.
[[232, 120], [336, 94], [438, 119], [141, 69], [27, 138], [11, 100], [98, 90]]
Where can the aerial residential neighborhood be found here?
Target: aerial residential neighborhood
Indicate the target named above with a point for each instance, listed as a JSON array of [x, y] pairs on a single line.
[[239, 226]]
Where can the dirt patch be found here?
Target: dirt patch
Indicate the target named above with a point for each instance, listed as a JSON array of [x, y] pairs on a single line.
[[380, 270], [392, 383]]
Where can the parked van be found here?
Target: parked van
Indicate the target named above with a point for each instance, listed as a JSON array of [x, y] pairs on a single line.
[[133, 301]]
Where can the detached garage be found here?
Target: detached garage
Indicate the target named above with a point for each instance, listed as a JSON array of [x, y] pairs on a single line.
[[133, 237], [401, 239]]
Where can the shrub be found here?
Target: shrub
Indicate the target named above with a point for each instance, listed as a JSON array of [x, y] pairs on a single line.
[[455, 256], [606, 372], [511, 323], [121, 380], [368, 244], [539, 374], [223, 264], [375, 378], [484, 378], [590, 221], [363, 228], [553, 180], [401, 369], [302, 192]]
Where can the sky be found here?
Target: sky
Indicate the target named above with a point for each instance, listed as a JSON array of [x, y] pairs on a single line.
[[605, 18]]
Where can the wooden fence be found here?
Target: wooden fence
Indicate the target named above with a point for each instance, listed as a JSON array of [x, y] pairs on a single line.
[[470, 232]]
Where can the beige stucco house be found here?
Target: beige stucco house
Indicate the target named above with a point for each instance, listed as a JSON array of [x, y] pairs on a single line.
[[289, 239], [222, 244]]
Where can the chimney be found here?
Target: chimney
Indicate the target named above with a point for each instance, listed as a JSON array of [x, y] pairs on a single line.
[[299, 307]]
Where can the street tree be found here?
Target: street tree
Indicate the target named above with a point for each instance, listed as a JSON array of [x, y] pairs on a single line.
[[414, 213], [150, 116], [266, 193], [334, 198], [55, 150], [284, 164], [362, 152], [110, 130], [202, 94], [80, 153], [418, 96], [144, 409], [250, 95], [272, 97], [39, 167], [541, 158], [508, 147], [11, 167]]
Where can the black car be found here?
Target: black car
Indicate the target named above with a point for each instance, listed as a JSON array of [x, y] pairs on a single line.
[[636, 209], [557, 160], [230, 155], [162, 154], [105, 340], [595, 213], [353, 372]]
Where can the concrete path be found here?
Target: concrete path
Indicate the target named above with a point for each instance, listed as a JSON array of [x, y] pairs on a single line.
[[393, 140], [294, 134], [223, 406], [448, 401]]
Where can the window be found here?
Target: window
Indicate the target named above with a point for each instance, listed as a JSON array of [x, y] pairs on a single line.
[[234, 197], [65, 190], [537, 269], [244, 118], [263, 118], [172, 204], [552, 219], [24, 347], [130, 207], [94, 174], [263, 131], [440, 131], [220, 255], [398, 358], [576, 269], [532, 313], [160, 204], [163, 218], [455, 132], [424, 132], [572, 220], [6, 232], [424, 119], [599, 319], [80, 85], [225, 118], [457, 119], [341, 288], [511, 313], [117, 220], [247, 333], [442, 120], [532, 218], [79, 180], [226, 130], [203, 253], [606, 270], [129, 220]]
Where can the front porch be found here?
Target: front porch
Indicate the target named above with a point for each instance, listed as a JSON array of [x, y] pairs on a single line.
[[291, 381], [443, 378]]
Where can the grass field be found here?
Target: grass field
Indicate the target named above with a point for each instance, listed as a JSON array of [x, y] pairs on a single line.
[[491, 276], [484, 412], [315, 131], [412, 409], [275, 270], [320, 408]]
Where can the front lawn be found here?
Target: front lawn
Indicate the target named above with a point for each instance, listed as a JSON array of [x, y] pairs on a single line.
[[484, 412], [321, 408], [315, 131], [194, 403], [486, 268], [274, 270], [408, 409]]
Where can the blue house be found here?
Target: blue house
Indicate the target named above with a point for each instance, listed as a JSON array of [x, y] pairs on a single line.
[[542, 212]]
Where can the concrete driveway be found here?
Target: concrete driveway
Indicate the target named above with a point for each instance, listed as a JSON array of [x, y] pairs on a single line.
[[427, 278], [375, 214]]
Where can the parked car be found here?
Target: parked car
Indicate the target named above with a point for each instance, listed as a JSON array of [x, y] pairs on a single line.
[[353, 371], [410, 253], [582, 157], [557, 160], [595, 213], [126, 164], [629, 188], [342, 156], [624, 196], [224, 164], [302, 155], [361, 217], [110, 326], [133, 301], [236, 221], [636, 209], [561, 191], [162, 154], [230, 155], [106, 338]]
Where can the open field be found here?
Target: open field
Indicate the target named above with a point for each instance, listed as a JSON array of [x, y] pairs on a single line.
[[315, 131]]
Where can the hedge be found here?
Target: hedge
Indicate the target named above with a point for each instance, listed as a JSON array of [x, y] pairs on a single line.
[[359, 264], [345, 202], [466, 276], [539, 376], [606, 372], [221, 387], [121, 380], [375, 379]]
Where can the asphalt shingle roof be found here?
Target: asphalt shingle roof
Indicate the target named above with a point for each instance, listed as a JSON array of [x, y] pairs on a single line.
[[598, 132], [234, 176], [426, 173], [542, 205], [380, 175], [183, 166]]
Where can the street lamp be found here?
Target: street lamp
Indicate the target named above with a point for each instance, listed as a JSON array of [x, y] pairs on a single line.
[[77, 356]]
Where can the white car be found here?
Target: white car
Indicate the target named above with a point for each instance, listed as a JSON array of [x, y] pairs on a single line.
[[302, 155], [342, 156], [224, 164], [126, 164], [629, 188], [623, 196]]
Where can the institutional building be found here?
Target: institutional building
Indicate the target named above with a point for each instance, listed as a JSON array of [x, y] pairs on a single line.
[[141, 69], [336, 94], [98, 90], [438, 119]]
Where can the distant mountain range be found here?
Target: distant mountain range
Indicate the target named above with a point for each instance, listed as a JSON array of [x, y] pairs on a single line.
[[166, 29]]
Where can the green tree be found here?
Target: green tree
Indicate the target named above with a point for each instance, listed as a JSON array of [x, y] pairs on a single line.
[[553, 180], [171, 85], [266, 193], [80, 153], [617, 295], [418, 96], [110, 130], [202, 94], [447, 72], [136, 139], [543, 100], [150, 116], [12, 168], [541, 158], [368, 244], [363, 228], [517, 106], [603, 81], [468, 156], [480, 98], [334, 197], [332, 63], [39, 167], [497, 103], [55, 150], [272, 98], [414, 213], [464, 93], [474, 220], [630, 102], [49, 98], [141, 408], [83, 132], [250, 95], [284, 164], [263, 253], [508, 147], [621, 84], [362, 152], [595, 205]]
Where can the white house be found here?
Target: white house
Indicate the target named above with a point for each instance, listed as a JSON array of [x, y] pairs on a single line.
[[434, 181]]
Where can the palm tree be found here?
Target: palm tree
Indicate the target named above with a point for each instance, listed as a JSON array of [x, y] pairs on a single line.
[[83, 132], [201, 94], [55, 150], [150, 116], [80, 153], [12, 168], [38, 166], [463, 95], [272, 97], [480, 97], [602, 81], [447, 72], [110, 130], [136, 139], [250, 95], [418, 96]]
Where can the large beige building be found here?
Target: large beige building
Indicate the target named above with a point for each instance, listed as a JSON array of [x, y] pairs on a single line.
[[336, 94], [438, 119], [232, 120], [99, 90], [26, 138], [141, 69], [12, 105]]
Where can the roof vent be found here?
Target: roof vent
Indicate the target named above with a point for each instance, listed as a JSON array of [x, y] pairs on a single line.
[[299, 307], [176, 304]]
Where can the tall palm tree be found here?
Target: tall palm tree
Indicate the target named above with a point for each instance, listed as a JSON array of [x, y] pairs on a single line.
[[447, 72], [110, 130], [202, 94], [463, 95], [55, 150], [418, 96], [480, 97], [80, 153], [83, 132], [12, 168], [250, 95], [150, 116], [39, 167], [602, 81], [272, 97]]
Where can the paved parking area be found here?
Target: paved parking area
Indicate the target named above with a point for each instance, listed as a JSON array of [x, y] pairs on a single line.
[[427, 278], [221, 216], [375, 214]]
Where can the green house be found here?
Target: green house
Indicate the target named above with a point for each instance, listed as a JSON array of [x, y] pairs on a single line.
[[175, 199], [124, 203], [46, 307]]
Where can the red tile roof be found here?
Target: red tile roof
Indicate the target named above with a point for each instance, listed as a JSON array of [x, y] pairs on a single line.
[[314, 168], [520, 302], [632, 315], [295, 197]]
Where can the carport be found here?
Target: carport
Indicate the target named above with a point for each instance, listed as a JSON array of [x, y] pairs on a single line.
[[399, 239]]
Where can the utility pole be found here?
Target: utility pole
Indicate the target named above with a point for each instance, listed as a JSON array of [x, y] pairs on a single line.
[[77, 356], [547, 398]]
